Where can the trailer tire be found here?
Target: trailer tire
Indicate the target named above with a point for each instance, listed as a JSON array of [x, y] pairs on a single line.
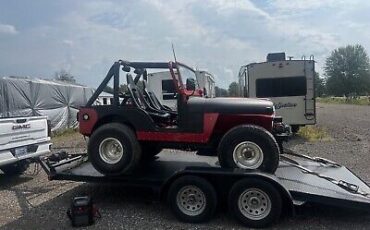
[[113, 149], [16, 168], [260, 145], [192, 199], [256, 203]]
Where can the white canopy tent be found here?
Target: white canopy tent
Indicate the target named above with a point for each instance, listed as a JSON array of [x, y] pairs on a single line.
[[59, 101]]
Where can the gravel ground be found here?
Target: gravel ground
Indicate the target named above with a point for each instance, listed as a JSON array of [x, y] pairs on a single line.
[[32, 202]]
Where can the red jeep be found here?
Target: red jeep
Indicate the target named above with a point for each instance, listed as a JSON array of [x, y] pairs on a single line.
[[242, 132]]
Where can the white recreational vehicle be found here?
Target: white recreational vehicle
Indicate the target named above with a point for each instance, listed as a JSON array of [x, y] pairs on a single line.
[[104, 99], [161, 84], [288, 83], [206, 82]]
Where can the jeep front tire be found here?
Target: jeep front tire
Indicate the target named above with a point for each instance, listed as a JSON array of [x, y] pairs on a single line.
[[249, 147]]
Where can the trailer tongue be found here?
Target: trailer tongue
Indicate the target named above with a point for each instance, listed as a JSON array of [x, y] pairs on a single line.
[[298, 179]]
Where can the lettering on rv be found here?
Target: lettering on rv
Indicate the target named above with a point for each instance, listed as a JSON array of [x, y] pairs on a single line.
[[285, 105]]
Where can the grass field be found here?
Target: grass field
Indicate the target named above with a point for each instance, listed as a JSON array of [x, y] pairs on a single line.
[[314, 133], [363, 100]]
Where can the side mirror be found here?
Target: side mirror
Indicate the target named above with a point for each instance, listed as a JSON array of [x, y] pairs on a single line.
[[190, 84]]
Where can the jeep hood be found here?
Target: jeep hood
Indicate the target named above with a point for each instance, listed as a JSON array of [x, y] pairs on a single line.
[[230, 105]]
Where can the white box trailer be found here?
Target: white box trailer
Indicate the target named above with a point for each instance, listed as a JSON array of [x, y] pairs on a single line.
[[206, 82], [288, 83], [161, 84]]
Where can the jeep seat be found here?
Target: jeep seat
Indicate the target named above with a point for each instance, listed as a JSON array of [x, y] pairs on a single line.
[[141, 103], [154, 102]]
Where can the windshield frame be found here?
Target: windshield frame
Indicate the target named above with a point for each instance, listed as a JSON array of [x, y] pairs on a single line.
[[179, 81]]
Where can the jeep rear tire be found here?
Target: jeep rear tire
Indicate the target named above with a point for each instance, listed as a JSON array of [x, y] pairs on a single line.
[[113, 149], [249, 147]]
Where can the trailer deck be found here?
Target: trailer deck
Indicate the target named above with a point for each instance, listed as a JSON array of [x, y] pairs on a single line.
[[322, 182]]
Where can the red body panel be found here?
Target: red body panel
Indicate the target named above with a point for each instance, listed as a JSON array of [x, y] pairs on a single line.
[[227, 121], [86, 126], [208, 127]]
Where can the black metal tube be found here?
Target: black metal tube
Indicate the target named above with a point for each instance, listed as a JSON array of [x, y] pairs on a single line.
[[149, 65], [116, 66], [101, 86]]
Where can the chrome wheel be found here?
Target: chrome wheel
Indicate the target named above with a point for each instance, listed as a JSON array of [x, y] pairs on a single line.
[[248, 155], [111, 150], [191, 200], [254, 204]]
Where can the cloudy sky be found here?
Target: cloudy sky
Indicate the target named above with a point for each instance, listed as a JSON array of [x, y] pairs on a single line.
[[38, 38]]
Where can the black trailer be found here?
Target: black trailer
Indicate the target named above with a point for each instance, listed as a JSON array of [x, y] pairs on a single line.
[[194, 185]]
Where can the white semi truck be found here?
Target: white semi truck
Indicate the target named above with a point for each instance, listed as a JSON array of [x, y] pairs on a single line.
[[288, 83], [22, 139]]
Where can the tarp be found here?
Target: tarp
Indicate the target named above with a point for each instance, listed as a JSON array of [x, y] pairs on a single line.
[[59, 101]]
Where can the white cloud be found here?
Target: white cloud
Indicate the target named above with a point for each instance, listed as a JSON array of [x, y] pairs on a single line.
[[218, 35], [299, 5], [7, 29], [68, 42], [229, 6]]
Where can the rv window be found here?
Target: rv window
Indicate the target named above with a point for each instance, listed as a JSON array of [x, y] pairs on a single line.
[[168, 90], [281, 87], [168, 86], [104, 101]]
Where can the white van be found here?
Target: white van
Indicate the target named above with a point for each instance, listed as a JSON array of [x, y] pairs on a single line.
[[288, 83]]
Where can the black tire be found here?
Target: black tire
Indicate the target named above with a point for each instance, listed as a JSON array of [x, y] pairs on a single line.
[[123, 138], [295, 128], [255, 203], [262, 143], [15, 169], [149, 150], [203, 206]]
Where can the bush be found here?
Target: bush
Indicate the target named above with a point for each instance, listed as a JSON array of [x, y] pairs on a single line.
[[361, 100], [314, 133]]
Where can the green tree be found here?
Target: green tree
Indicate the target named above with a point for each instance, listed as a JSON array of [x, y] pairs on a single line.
[[63, 75], [108, 89], [347, 71], [220, 92], [123, 88], [233, 89], [319, 85]]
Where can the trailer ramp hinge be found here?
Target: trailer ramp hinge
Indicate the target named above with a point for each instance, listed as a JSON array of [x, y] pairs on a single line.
[[314, 159], [348, 186], [326, 161]]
